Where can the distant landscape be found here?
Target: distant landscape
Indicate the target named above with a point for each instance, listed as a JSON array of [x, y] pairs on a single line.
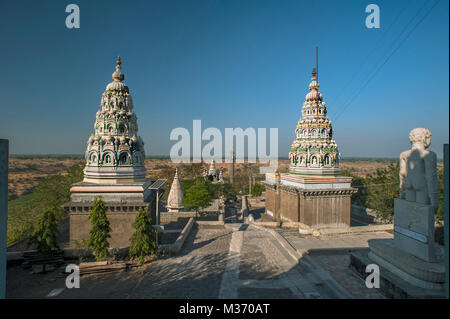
[[40, 182], [27, 171]]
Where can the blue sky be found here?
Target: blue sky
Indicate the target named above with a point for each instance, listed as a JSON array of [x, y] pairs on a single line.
[[228, 63]]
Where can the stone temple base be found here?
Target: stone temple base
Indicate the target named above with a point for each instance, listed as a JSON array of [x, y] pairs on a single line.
[[316, 201], [391, 284], [420, 273], [122, 202], [412, 262]]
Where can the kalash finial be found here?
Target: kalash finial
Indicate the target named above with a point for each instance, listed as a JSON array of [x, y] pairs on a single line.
[[118, 75]]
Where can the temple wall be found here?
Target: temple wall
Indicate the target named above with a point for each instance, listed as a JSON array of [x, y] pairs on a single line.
[[271, 200], [289, 205], [331, 209], [120, 223]]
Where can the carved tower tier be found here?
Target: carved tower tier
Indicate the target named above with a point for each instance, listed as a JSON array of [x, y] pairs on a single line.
[[115, 153], [314, 151]]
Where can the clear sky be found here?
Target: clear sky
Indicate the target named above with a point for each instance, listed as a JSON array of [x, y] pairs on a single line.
[[228, 63]]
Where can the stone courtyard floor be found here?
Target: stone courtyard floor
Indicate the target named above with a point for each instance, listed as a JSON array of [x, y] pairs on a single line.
[[231, 261]]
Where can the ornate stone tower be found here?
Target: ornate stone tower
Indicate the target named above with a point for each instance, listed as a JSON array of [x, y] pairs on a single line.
[[311, 193], [314, 151], [115, 153], [114, 170]]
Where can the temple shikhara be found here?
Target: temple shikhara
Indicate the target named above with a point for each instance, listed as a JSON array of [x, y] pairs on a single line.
[[176, 195], [114, 170], [314, 151], [312, 193]]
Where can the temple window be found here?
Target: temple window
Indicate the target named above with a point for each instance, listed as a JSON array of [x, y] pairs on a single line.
[[124, 159], [108, 159], [305, 133]]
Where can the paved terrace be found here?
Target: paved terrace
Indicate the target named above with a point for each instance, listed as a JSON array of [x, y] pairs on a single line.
[[231, 261]]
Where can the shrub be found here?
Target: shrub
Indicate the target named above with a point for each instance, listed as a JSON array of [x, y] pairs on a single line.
[[257, 189], [45, 236], [143, 241], [100, 230]]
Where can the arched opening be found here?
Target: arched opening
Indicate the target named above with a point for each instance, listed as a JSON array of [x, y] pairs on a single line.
[[124, 158], [108, 159], [302, 160]]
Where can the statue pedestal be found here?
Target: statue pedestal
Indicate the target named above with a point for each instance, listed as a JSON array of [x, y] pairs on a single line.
[[411, 262], [414, 229]]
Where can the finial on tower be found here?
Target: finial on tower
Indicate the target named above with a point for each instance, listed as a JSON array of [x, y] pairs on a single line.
[[317, 62], [118, 75]]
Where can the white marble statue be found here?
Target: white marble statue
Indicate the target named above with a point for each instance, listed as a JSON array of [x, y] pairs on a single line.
[[418, 175]]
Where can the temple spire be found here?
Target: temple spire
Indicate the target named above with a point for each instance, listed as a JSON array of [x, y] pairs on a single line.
[[176, 195]]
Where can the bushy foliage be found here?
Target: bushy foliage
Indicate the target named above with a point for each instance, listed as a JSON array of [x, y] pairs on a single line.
[[378, 190], [100, 230], [197, 196], [24, 212], [382, 187], [45, 235], [143, 240], [257, 189]]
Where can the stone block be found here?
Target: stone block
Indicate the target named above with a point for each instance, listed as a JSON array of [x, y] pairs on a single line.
[[414, 229], [410, 264]]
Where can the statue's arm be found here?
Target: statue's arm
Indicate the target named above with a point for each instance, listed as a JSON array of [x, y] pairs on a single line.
[[431, 179], [403, 170]]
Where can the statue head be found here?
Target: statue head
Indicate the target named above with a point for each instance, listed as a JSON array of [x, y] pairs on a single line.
[[420, 135]]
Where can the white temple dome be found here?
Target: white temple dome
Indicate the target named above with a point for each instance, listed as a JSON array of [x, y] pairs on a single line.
[[117, 86]]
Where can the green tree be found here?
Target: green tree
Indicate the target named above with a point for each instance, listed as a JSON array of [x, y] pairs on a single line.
[[382, 187], [257, 189], [45, 236], [197, 196], [143, 241], [100, 230]]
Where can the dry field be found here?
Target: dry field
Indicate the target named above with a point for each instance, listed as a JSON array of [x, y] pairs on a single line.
[[26, 173]]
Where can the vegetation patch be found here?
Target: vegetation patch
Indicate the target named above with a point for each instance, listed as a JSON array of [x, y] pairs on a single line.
[[24, 212]]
